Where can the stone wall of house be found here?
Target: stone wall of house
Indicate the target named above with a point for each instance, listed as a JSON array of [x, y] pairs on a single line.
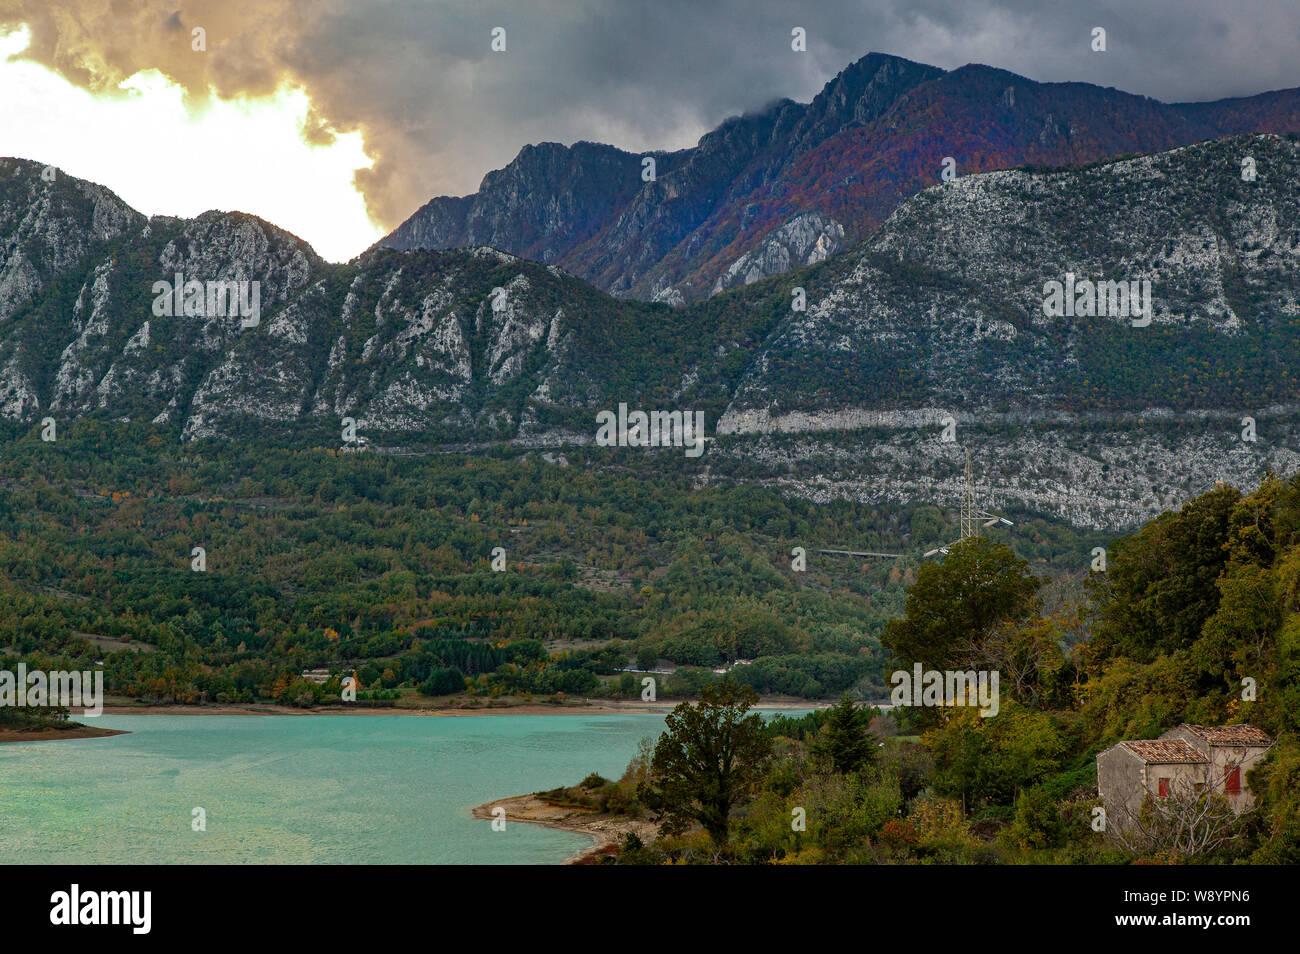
[[1221, 759], [1120, 780]]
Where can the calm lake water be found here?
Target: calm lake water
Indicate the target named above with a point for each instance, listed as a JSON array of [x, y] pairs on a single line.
[[311, 789]]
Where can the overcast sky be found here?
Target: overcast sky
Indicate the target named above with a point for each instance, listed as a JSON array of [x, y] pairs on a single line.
[[436, 108]]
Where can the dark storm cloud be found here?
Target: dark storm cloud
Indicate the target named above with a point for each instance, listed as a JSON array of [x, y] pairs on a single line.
[[438, 108]]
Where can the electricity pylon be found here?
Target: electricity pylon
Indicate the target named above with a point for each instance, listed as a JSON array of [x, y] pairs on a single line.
[[973, 518]]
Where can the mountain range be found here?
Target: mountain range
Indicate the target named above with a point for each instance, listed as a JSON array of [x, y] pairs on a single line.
[[792, 183], [867, 373]]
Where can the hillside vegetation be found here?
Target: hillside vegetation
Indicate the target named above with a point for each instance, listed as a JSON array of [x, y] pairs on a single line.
[[1197, 619]]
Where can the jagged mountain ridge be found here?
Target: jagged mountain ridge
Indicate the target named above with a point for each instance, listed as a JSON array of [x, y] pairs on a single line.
[[938, 313], [876, 134], [409, 343]]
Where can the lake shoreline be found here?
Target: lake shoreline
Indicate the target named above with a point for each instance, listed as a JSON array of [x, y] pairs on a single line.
[[82, 731], [526, 708], [607, 830]]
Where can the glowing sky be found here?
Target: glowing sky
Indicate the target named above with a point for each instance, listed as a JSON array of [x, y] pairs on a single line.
[[245, 155]]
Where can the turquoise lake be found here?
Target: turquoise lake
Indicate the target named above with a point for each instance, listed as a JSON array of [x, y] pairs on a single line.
[[302, 789]]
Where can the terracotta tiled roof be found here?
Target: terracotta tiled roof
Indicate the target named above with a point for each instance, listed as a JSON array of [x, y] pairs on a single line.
[[1230, 734], [1163, 750]]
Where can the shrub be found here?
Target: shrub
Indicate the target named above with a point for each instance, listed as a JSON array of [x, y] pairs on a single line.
[[442, 682], [1037, 824]]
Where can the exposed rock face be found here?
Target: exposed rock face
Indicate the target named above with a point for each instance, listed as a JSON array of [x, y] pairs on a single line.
[[945, 304], [588, 183], [876, 134], [805, 240], [48, 224], [1108, 474], [940, 317], [405, 344], [935, 324]]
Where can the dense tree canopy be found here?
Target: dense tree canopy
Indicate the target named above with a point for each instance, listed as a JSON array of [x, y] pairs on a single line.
[[708, 759], [955, 604]]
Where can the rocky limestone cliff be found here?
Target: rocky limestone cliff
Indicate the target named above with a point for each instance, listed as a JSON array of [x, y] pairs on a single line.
[[935, 323], [804, 240]]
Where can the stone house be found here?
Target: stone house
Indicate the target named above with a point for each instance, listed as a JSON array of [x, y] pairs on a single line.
[[1185, 760]]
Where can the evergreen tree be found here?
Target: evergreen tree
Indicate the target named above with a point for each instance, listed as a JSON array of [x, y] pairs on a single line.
[[844, 739]]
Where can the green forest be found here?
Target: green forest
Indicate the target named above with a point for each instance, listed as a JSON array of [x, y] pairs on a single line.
[[316, 559], [1196, 619]]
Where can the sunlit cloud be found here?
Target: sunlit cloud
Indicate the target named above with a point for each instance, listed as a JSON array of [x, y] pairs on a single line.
[[166, 156]]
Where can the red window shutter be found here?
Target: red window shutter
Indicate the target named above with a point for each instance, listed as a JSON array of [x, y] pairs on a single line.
[[1164, 788], [1232, 780]]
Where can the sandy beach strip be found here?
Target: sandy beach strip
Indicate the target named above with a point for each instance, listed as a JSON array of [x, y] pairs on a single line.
[[607, 830]]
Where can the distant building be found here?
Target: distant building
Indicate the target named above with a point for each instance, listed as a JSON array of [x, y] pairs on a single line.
[[1185, 760], [738, 662]]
